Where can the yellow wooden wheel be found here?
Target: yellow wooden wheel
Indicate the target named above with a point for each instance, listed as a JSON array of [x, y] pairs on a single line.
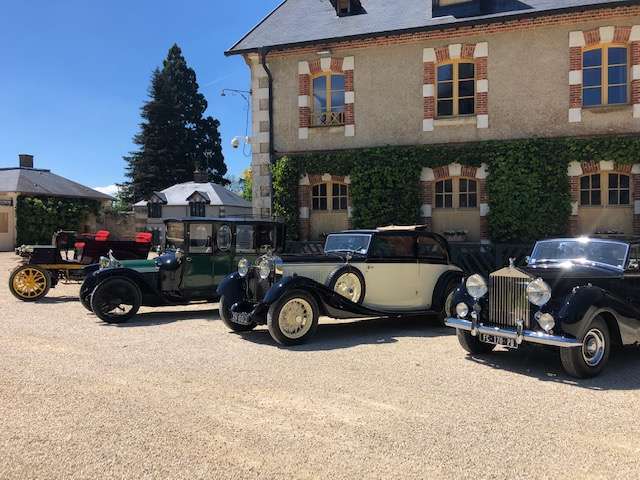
[[29, 283]]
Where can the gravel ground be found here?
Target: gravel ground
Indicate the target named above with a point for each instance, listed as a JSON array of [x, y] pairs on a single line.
[[175, 395]]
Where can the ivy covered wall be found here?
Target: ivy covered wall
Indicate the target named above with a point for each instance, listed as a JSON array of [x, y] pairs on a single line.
[[38, 218], [528, 186]]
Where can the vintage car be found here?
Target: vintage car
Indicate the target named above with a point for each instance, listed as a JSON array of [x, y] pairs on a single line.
[[43, 266], [198, 254], [387, 272], [581, 295]]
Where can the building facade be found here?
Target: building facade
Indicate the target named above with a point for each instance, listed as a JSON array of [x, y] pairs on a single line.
[[357, 74]]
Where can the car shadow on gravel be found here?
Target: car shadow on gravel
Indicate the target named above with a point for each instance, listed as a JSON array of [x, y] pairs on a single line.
[[371, 331], [62, 299], [621, 373], [150, 319]]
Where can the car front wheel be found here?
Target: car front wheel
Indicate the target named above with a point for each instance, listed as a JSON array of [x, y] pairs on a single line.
[[116, 300], [294, 318], [473, 344], [227, 318], [590, 359]]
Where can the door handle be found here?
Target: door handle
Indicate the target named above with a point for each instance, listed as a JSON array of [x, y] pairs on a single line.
[[189, 259]]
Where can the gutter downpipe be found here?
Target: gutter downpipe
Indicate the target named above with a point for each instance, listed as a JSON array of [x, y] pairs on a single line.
[[263, 62]]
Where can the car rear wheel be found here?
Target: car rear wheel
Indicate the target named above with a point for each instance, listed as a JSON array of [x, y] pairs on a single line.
[[294, 318], [473, 344], [227, 318], [29, 283], [590, 359], [116, 300]]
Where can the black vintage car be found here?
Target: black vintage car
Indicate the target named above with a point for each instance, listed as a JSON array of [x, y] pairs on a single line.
[[581, 295], [387, 272], [43, 266], [198, 254]]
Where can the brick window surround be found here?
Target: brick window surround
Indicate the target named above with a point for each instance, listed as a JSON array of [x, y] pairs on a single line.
[[432, 57], [306, 71], [305, 186], [579, 40], [430, 176], [576, 170]]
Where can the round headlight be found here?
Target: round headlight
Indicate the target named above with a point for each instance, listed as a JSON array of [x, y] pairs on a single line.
[[476, 286], [546, 321], [462, 310], [538, 292], [243, 267], [104, 262], [264, 267]]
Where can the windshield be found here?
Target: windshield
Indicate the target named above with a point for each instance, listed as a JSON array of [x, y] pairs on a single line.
[[581, 251], [355, 243]]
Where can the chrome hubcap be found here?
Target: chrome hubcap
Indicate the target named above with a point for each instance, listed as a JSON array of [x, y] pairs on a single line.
[[593, 347], [348, 285], [296, 317]]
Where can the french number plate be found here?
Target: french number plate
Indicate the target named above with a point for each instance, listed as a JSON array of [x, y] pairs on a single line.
[[241, 318], [494, 340]]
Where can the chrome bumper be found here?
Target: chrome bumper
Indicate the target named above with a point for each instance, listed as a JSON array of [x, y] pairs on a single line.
[[514, 334]]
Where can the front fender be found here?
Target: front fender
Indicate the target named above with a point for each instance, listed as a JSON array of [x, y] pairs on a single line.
[[438, 297], [233, 288], [102, 275]]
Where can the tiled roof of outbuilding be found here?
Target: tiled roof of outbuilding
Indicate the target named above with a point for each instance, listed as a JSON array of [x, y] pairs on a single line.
[[299, 22], [34, 181]]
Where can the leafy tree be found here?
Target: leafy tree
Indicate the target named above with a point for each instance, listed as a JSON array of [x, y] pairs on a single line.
[[247, 184], [175, 137]]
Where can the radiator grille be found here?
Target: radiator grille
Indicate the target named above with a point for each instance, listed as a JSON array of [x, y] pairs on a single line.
[[508, 300]]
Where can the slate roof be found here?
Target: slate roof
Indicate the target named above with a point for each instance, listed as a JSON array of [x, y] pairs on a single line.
[[217, 194], [42, 182], [300, 22]]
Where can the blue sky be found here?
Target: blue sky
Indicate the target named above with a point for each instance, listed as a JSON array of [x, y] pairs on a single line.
[[74, 74]]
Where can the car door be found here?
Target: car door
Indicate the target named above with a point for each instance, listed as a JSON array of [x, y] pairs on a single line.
[[433, 261], [391, 273], [198, 275]]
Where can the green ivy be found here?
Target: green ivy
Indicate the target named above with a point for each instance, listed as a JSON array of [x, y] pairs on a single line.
[[38, 218], [528, 185]]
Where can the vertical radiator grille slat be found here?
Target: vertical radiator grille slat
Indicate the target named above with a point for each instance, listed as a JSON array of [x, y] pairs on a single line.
[[508, 301]]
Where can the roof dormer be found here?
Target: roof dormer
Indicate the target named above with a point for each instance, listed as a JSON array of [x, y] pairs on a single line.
[[345, 8]]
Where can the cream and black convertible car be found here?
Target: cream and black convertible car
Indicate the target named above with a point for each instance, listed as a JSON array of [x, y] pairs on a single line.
[[387, 272]]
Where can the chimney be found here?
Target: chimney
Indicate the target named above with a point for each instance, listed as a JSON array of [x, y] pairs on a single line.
[[200, 177], [26, 161]]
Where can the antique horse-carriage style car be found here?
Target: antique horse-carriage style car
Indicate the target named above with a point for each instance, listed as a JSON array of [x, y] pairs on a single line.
[[388, 272], [581, 295], [66, 258], [198, 254]]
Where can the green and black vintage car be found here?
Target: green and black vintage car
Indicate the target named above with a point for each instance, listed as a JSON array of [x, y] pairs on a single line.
[[198, 254]]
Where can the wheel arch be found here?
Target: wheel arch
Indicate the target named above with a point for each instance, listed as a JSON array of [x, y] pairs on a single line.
[[445, 279]]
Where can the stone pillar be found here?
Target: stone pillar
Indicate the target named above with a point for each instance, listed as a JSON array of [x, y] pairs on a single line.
[[635, 185], [481, 54], [481, 176], [304, 206], [574, 171], [261, 159], [634, 38], [426, 196]]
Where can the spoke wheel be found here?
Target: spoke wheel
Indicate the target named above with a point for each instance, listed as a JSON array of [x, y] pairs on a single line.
[[29, 283], [116, 300], [293, 319], [349, 286]]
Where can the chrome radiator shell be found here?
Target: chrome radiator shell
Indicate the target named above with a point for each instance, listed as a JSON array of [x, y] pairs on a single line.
[[508, 300]]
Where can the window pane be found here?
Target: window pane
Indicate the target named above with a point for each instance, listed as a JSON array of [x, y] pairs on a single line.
[[320, 94], [473, 200], [584, 197], [445, 90], [617, 55], [337, 101], [448, 201], [244, 238], [466, 88], [473, 186], [592, 77], [343, 203], [323, 203], [613, 181], [323, 189], [617, 75], [624, 181], [463, 185], [445, 72], [448, 185], [466, 106], [439, 187], [336, 189], [466, 70], [200, 238], [463, 200], [592, 58], [618, 94], [337, 82], [584, 183], [613, 197], [624, 197], [595, 197], [394, 247], [592, 96], [445, 108], [595, 181], [439, 201]]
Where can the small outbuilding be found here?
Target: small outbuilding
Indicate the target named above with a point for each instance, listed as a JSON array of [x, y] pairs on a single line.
[[199, 198], [27, 181]]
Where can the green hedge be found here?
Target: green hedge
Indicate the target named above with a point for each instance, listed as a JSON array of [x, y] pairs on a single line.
[[38, 218], [528, 185]]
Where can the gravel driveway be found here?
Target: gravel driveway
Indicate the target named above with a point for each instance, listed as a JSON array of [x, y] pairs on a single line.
[[175, 395]]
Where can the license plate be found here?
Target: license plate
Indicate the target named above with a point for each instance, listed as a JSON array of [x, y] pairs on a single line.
[[502, 341], [241, 318]]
